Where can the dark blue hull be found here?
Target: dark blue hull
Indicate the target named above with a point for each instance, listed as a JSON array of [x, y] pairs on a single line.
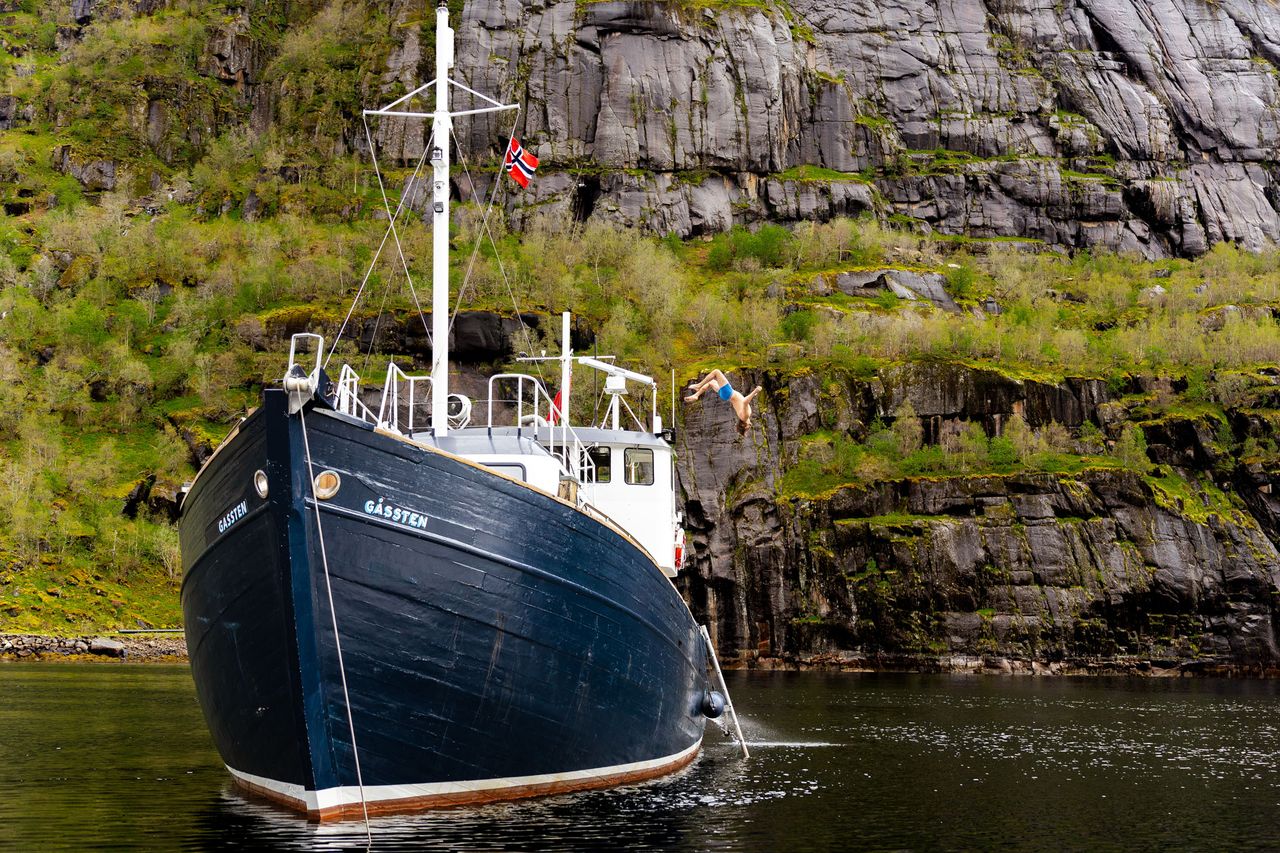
[[496, 642]]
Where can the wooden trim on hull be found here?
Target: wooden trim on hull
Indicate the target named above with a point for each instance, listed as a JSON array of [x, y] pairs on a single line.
[[400, 799]]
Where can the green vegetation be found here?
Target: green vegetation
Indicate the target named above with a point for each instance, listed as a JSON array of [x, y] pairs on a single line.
[[1102, 314], [766, 247], [128, 335], [1197, 499], [138, 323], [809, 174], [895, 452]]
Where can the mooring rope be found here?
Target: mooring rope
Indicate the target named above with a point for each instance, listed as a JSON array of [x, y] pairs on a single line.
[[333, 615], [728, 702]]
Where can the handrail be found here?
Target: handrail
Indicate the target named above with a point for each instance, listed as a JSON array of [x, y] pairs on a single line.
[[348, 397], [562, 442], [521, 378], [347, 400], [391, 394], [570, 450], [313, 375]]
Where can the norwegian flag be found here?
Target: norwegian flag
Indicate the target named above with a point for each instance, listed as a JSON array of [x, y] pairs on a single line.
[[520, 164], [557, 413], [555, 408]]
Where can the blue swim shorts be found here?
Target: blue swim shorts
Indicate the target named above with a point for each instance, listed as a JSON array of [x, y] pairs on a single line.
[[726, 391]]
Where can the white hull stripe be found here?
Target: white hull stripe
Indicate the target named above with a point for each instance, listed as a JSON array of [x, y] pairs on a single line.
[[344, 795]]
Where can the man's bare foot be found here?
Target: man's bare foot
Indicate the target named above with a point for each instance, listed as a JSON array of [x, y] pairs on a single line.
[[692, 398]]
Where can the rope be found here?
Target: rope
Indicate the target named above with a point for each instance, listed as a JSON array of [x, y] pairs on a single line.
[[728, 701], [492, 197], [377, 325], [337, 640]]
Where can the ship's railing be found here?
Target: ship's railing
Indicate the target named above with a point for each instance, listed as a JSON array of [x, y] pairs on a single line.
[[348, 399], [527, 411], [402, 398], [389, 411], [563, 442]]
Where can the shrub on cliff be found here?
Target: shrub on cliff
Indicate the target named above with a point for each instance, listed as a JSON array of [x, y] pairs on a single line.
[[907, 429], [768, 246], [1131, 448]]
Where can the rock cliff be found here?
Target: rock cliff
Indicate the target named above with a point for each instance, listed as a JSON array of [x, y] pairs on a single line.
[[1147, 127], [1103, 569]]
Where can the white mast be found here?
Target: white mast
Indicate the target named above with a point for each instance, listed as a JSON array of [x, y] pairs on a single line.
[[441, 131], [566, 377]]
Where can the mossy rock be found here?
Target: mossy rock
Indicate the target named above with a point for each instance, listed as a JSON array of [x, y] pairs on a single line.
[[296, 319]]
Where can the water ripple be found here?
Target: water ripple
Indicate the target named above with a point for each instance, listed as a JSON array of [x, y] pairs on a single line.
[[117, 758]]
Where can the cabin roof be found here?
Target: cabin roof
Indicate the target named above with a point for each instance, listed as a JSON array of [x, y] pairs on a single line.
[[480, 441]]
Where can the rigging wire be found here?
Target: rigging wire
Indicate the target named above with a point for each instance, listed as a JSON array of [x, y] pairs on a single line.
[[408, 193], [515, 121], [377, 324], [392, 232], [497, 255], [484, 220], [373, 155]]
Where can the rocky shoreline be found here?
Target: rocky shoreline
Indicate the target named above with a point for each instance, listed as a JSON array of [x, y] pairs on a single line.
[[172, 648], [131, 648], [995, 665]]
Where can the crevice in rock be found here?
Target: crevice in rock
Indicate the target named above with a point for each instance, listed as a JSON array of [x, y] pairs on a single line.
[[1139, 202], [585, 196], [1108, 46]]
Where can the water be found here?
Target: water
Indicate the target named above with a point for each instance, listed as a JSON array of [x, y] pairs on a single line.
[[115, 757]]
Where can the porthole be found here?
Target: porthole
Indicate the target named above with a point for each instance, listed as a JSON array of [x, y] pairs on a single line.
[[327, 484]]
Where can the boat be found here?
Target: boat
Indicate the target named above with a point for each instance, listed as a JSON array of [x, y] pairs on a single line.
[[391, 607]]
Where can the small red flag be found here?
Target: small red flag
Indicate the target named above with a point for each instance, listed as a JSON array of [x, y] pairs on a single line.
[[520, 164]]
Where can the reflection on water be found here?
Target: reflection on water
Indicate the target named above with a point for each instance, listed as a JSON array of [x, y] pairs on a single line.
[[117, 757]]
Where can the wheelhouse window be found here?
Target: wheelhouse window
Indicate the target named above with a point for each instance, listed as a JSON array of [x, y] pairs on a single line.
[[638, 462], [601, 458]]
